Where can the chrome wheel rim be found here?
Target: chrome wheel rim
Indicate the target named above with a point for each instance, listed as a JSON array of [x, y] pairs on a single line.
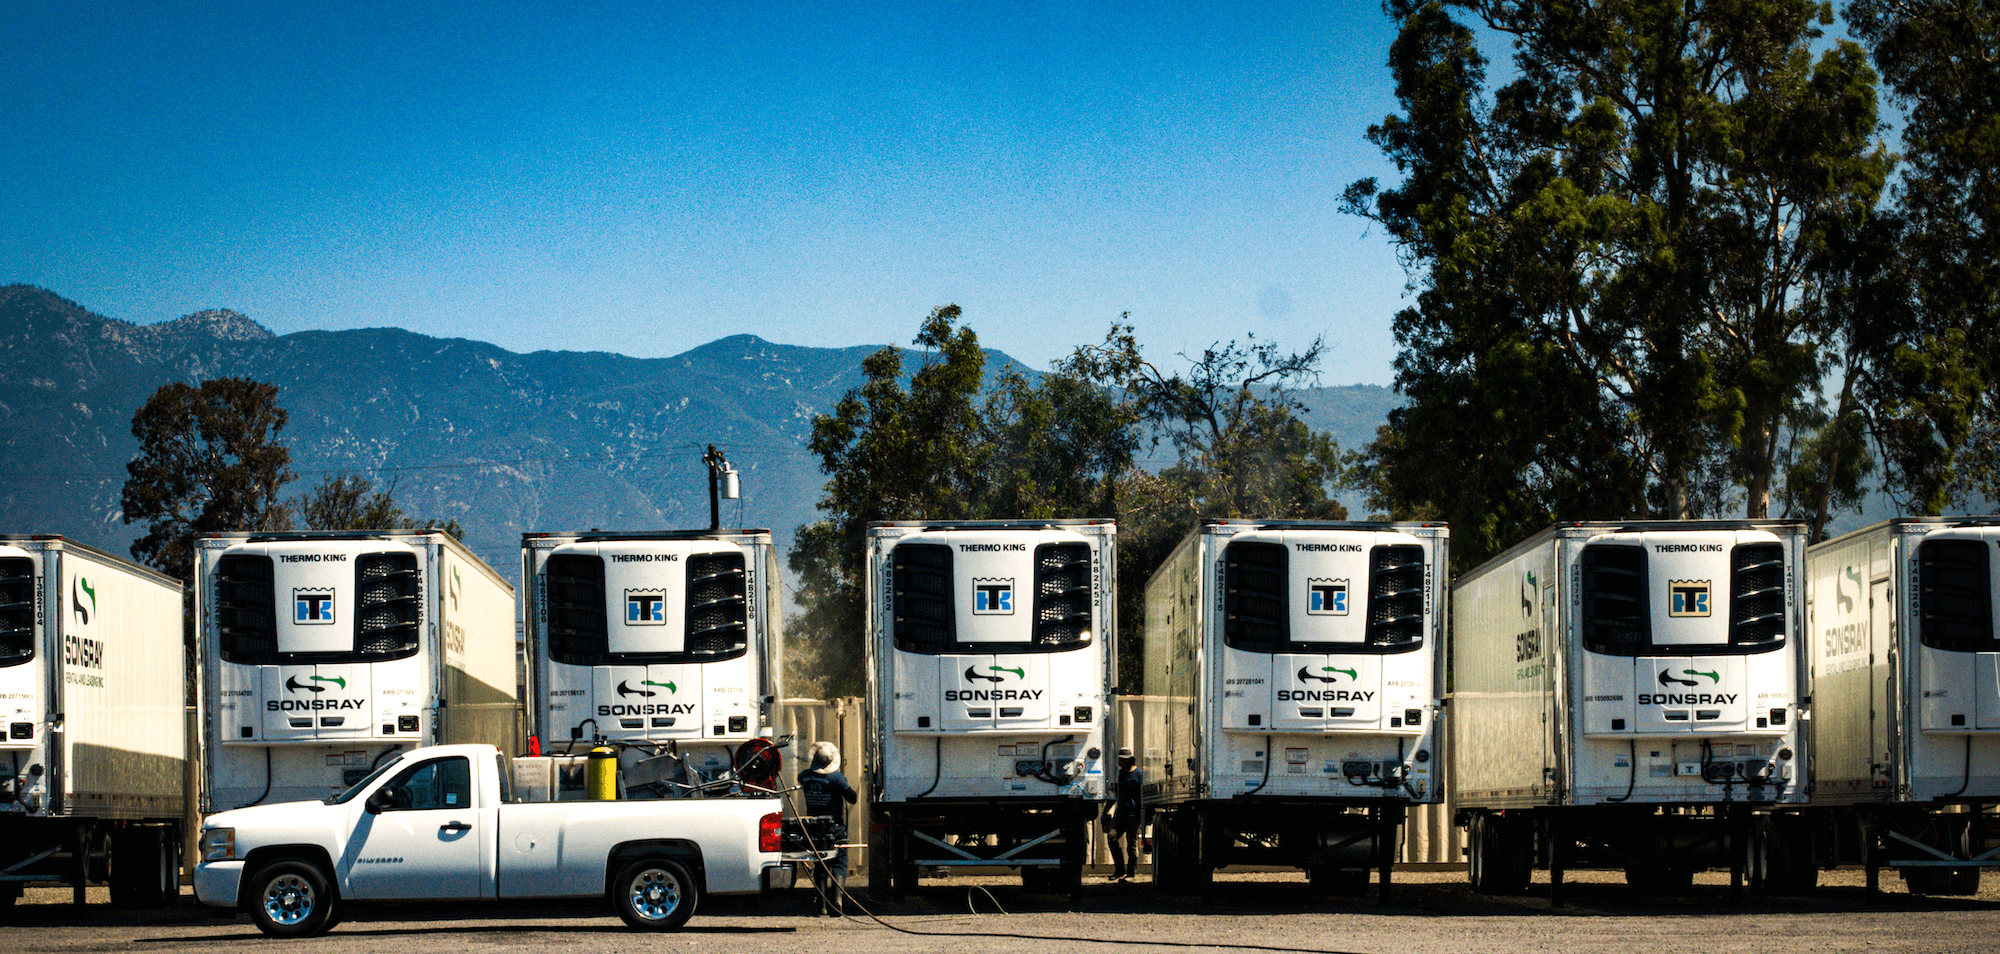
[[288, 899], [655, 894]]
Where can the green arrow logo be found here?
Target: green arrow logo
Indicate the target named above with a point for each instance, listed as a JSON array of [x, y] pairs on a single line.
[[1714, 677], [336, 680], [668, 686], [1018, 673], [1351, 674]]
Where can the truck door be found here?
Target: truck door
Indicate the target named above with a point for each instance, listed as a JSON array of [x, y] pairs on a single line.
[[426, 844]]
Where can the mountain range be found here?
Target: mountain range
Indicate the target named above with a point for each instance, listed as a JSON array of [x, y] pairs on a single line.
[[503, 442]]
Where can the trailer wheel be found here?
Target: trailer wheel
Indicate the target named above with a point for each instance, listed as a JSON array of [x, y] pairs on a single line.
[[290, 898], [904, 879], [144, 871], [654, 894], [1780, 858], [1497, 862]]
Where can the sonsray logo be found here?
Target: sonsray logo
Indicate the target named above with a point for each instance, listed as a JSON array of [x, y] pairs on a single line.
[[992, 597], [1687, 597], [645, 607], [85, 612], [1324, 695], [1326, 597], [650, 708], [1669, 678], [312, 607]]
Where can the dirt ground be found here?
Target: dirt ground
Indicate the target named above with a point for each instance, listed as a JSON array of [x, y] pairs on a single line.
[[1244, 911]]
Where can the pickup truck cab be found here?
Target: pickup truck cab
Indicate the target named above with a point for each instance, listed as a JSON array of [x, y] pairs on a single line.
[[441, 824]]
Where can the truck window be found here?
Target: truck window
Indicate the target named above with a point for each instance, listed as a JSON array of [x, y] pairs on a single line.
[[1258, 597], [17, 611], [432, 784], [1954, 598], [715, 622], [923, 591], [388, 611]]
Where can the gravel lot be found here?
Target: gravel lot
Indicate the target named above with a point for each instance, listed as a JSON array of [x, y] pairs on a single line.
[[1433, 911]]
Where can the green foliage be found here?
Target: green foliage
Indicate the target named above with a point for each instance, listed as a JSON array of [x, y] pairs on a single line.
[[208, 461], [351, 502], [1619, 256]]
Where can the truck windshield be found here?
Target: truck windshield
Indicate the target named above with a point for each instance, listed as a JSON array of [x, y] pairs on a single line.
[[355, 789], [924, 595]]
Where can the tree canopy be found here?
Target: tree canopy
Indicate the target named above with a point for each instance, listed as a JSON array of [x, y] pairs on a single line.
[[209, 461]]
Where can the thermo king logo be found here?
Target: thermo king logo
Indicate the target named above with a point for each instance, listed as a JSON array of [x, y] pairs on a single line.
[[1688, 597], [645, 607], [1326, 597], [992, 597], [312, 607]]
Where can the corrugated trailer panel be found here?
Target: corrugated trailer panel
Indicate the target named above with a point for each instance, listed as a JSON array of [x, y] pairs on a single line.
[[123, 689], [475, 603], [1848, 596], [1173, 661], [1504, 664]]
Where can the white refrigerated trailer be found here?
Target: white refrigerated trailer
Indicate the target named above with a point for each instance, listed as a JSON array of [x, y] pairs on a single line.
[[1290, 696], [990, 653], [325, 652], [662, 643], [1627, 695], [1906, 707], [93, 752]]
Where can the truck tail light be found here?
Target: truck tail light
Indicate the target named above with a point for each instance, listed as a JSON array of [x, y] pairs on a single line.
[[771, 833]]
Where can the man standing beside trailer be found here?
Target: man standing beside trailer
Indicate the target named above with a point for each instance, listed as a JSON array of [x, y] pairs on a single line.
[[989, 657], [93, 736], [1289, 701], [1625, 695], [1906, 708], [327, 651]]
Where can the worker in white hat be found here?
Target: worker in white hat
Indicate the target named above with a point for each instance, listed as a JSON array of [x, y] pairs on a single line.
[[826, 792]]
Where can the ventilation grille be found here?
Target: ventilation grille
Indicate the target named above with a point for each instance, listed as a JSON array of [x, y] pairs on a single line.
[[246, 609], [1396, 597], [718, 605], [578, 632], [1255, 614], [1062, 595], [17, 610], [1615, 617], [1955, 596], [920, 597], [1757, 596], [387, 605]]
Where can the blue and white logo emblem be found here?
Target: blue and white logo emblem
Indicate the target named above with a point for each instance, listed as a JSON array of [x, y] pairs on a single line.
[[992, 597], [645, 607], [1688, 597], [1326, 597], [312, 607]]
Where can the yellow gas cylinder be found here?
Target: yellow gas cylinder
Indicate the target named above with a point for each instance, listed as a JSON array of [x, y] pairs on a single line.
[[600, 783]]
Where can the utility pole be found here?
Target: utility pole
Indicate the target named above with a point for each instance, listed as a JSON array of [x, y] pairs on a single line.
[[721, 484]]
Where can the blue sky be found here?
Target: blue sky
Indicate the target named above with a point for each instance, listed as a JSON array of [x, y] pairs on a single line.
[[646, 177]]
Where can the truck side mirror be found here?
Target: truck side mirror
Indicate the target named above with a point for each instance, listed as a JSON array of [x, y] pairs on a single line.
[[379, 801]]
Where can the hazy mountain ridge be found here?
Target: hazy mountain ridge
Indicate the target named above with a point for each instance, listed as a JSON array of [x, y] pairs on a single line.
[[502, 441]]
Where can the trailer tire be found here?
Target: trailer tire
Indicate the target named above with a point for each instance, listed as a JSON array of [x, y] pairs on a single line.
[[1497, 862], [144, 870], [290, 898], [654, 894]]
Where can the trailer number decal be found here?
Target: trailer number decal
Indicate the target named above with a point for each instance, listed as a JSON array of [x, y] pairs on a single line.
[[1326, 597], [1688, 597]]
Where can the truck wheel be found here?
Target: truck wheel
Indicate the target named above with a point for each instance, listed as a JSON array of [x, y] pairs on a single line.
[[144, 871], [654, 894], [1497, 863], [290, 898]]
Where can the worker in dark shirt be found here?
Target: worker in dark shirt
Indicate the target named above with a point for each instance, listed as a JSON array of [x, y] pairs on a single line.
[[1123, 832], [826, 792]]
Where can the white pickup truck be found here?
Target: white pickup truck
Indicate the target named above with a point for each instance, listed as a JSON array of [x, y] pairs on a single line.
[[441, 824]]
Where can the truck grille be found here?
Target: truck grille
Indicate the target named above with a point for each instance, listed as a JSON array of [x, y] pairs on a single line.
[[1062, 595], [1615, 619], [1954, 596], [920, 597], [718, 621], [1255, 615], [1757, 595], [17, 610], [246, 609], [1396, 596], [578, 632], [387, 590]]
